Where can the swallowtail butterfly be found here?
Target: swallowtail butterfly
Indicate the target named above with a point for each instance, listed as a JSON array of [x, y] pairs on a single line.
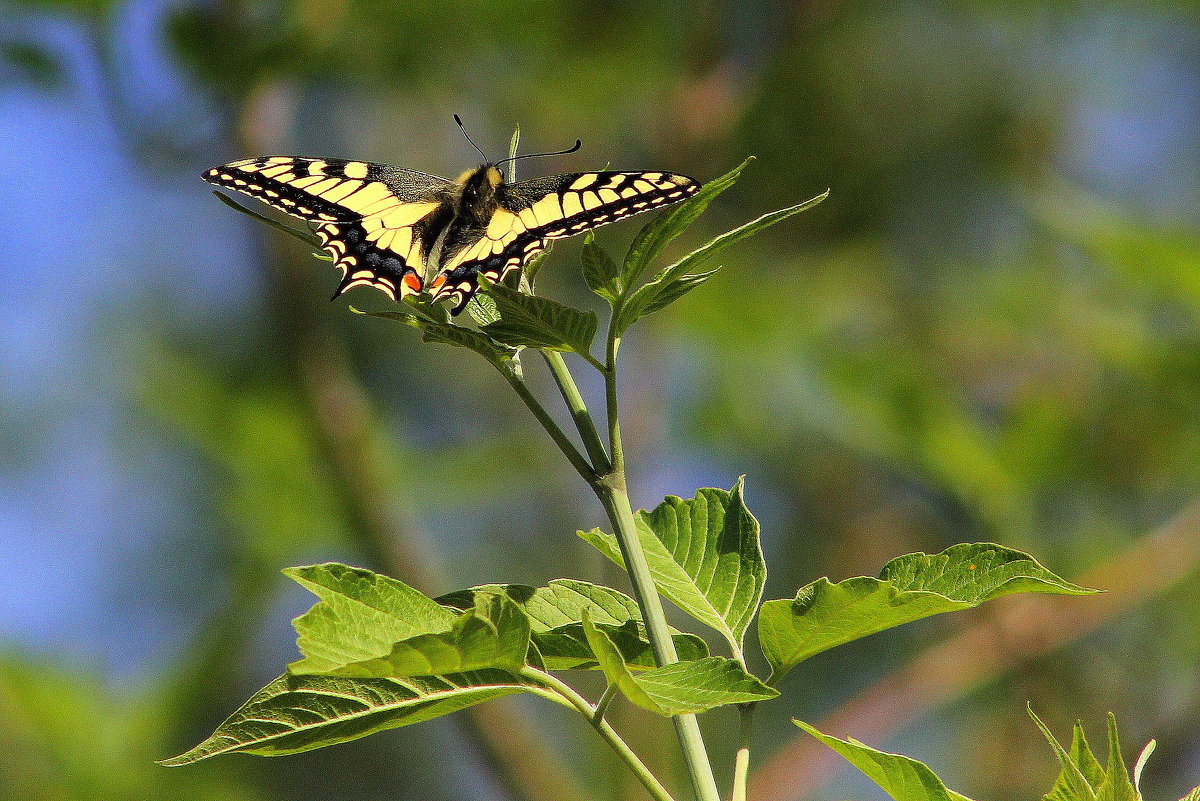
[[405, 232]]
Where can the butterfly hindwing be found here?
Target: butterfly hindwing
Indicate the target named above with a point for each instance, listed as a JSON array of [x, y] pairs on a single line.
[[370, 217], [532, 212], [364, 262]]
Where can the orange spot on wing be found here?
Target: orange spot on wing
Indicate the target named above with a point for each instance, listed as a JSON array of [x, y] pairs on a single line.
[[412, 282]]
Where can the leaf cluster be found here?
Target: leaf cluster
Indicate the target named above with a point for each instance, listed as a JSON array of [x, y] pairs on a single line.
[[1082, 776], [377, 654]]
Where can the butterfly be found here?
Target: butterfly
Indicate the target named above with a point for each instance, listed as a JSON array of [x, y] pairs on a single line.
[[405, 232]]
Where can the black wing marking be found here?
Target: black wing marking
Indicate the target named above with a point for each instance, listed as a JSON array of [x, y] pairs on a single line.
[[372, 218], [533, 212], [364, 262], [563, 205], [326, 190]]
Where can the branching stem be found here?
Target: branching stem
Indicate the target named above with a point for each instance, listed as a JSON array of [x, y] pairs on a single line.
[[741, 763], [610, 736], [606, 476], [614, 496], [592, 441], [560, 438], [610, 692]]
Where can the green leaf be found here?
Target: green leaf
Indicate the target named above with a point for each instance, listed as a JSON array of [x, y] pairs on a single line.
[[1140, 765], [689, 263], [1080, 772], [531, 321], [360, 616], [446, 334], [513, 144], [1194, 795], [556, 613], [1116, 785], [482, 309], [308, 237], [704, 555], [600, 272], [681, 688], [535, 264], [493, 634], [1082, 757], [676, 280], [903, 778], [659, 232], [299, 713], [824, 614], [654, 296], [1082, 778]]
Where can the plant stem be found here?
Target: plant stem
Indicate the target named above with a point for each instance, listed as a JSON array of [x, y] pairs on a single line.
[[607, 479], [610, 692], [610, 736], [741, 763], [610, 396], [560, 438], [613, 495], [579, 411]]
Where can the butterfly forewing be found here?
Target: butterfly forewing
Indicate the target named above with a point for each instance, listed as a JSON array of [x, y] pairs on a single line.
[[371, 217], [533, 212]]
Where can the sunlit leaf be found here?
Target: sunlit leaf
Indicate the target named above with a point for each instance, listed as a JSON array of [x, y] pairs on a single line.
[[1116, 785], [482, 309], [536, 322], [676, 280], [903, 778], [556, 611], [658, 233], [653, 297], [1082, 778], [600, 272], [824, 614], [360, 615], [492, 634], [1140, 766], [705, 557], [684, 687], [299, 713]]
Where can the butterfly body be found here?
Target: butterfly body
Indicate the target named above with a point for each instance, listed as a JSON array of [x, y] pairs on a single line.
[[405, 232]]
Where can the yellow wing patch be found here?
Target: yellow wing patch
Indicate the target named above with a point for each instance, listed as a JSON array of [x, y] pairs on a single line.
[[536, 213], [369, 216], [317, 190], [395, 267]]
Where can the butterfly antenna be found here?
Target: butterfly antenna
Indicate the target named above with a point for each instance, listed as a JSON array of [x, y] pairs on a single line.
[[463, 128], [578, 144]]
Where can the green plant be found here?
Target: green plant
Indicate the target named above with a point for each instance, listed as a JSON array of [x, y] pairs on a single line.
[[378, 654]]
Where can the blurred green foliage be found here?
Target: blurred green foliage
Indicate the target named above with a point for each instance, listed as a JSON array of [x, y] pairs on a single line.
[[986, 332]]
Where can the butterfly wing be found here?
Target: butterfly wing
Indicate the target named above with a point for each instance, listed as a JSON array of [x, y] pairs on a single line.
[[533, 212], [372, 218]]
